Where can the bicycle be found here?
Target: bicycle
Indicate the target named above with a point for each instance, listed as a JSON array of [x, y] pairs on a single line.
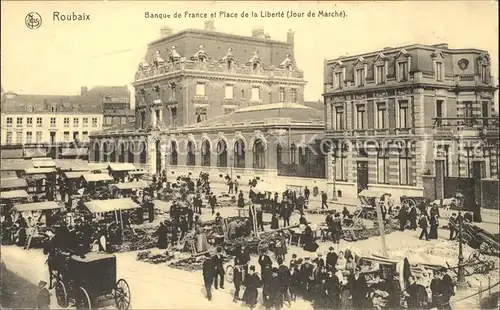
[[230, 272]]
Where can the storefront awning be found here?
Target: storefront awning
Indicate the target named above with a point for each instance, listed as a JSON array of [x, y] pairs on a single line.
[[36, 206], [96, 177], [131, 185], [39, 170], [110, 205], [14, 194], [13, 183], [44, 162], [118, 167]]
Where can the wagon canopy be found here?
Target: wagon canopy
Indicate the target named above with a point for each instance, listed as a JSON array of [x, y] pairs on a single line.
[[96, 177], [14, 194], [136, 172], [110, 205], [9, 183], [36, 206], [371, 194], [131, 185], [121, 167]]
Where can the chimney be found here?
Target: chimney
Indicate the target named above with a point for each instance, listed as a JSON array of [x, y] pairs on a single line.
[[83, 90], [165, 31], [258, 33], [441, 45], [210, 25], [290, 37]]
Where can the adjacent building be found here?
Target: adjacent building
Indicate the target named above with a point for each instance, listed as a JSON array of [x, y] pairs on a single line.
[[221, 103], [115, 101], [399, 116]]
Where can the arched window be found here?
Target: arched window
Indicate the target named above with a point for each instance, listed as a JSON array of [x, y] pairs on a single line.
[[112, 151], [173, 153], [205, 153], [259, 154], [97, 152], [158, 156], [144, 152], [130, 151], [293, 154], [239, 154], [279, 152], [105, 151], [191, 156], [121, 152], [221, 153]]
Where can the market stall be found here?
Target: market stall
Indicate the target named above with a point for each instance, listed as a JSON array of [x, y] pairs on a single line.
[[9, 198], [8, 184], [97, 184], [120, 170], [40, 179]]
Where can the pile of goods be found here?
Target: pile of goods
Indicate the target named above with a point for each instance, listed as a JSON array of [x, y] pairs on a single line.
[[142, 239], [367, 233], [321, 211], [184, 261]]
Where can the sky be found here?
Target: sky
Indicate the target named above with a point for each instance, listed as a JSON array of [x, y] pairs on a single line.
[[60, 57]]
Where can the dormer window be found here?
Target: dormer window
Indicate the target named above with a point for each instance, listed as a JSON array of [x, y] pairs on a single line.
[[339, 81], [380, 68], [255, 62], [402, 71], [360, 77], [484, 68], [403, 60], [360, 69], [438, 70]]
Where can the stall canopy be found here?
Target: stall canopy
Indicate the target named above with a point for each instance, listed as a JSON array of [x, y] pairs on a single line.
[[74, 174], [110, 205], [137, 172], [36, 206], [44, 162], [122, 167], [15, 165], [131, 185], [97, 166], [263, 187], [96, 177], [72, 165], [39, 170], [13, 183], [14, 194]]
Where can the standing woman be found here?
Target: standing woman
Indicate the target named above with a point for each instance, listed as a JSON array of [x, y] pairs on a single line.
[[433, 233], [252, 283]]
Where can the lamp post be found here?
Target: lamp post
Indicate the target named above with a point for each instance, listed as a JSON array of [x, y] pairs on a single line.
[[461, 268], [334, 164], [231, 159]]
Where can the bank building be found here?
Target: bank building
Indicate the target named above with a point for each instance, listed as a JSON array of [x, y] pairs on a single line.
[[220, 103]]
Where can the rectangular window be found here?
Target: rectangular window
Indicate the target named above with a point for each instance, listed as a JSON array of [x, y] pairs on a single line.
[[383, 166], [19, 122], [484, 74], [85, 136], [66, 122], [403, 114], [338, 80], [468, 113], [75, 135], [339, 118], [52, 122], [174, 116], [29, 137], [94, 121], [108, 120], [38, 136], [8, 138], [381, 115], [39, 122], [485, 111], [439, 112], [255, 93], [405, 167], [66, 136], [403, 71], [201, 115], [439, 71], [174, 92], [293, 93], [360, 116], [380, 74], [85, 122], [340, 164], [282, 94], [229, 92], [29, 122], [76, 122], [360, 77], [200, 90], [9, 122], [19, 137]]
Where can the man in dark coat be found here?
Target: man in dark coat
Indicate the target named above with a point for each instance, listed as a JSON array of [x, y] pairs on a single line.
[[332, 287], [264, 262], [336, 228], [286, 214], [307, 192], [324, 198], [306, 277], [402, 216], [413, 218], [451, 226], [359, 289], [412, 294], [274, 222], [394, 290], [285, 279], [190, 218], [208, 275], [477, 213], [212, 201], [272, 294], [447, 289], [423, 224], [237, 281], [436, 290], [218, 261], [260, 220], [162, 236], [331, 259], [242, 259], [252, 283]]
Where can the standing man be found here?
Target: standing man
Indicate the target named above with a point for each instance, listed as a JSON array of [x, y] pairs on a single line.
[[336, 228], [260, 220], [324, 198], [331, 259], [237, 281], [451, 226], [208, 275], [212, 201], [423, 224], [264, 262], [307, 192], [242, 259], [447, 289], [218, 261]]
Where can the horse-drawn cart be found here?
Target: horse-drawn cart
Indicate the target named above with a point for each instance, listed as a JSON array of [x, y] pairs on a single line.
[[89, 280]]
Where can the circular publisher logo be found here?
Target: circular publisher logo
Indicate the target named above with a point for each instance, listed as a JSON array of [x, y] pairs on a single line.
[[33, 20]]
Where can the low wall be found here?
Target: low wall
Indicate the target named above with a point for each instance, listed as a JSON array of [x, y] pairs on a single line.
[[490, 193]]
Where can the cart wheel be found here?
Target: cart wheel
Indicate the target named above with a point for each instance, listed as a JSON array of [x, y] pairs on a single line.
[[122, 295], [61, 294], [230, 273], [83, 302]]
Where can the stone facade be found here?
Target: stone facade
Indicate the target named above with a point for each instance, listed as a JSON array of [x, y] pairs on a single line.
[[400, 110]]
